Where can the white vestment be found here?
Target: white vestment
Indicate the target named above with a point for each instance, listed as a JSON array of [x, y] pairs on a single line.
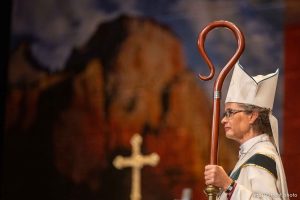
[[255, 182]]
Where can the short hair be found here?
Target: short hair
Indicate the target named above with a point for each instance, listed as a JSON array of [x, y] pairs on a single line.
[[262, 123]]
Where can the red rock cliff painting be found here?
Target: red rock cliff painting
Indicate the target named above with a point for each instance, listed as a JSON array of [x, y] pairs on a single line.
[[64, 129]]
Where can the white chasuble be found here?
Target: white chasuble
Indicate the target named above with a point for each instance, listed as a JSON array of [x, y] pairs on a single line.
[[254, 181]]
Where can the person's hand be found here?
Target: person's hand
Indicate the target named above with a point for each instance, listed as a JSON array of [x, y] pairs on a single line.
[[215, 175]]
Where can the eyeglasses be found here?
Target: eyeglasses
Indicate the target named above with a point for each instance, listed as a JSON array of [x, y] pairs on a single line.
[[229, 113]]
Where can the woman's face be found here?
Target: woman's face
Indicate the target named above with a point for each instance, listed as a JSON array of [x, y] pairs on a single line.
[[237, 122]]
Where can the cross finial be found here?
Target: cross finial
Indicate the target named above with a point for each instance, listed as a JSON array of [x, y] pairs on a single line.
[[136, 161]]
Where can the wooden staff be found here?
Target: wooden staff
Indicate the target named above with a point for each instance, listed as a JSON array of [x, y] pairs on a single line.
[[210, 190]]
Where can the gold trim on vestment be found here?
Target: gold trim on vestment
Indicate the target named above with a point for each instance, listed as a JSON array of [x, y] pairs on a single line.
[[260, 167]]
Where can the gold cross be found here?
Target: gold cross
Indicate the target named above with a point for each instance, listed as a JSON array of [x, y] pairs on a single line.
[[136, 161]]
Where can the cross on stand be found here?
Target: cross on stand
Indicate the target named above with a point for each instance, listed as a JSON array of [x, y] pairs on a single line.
[[136, 161]]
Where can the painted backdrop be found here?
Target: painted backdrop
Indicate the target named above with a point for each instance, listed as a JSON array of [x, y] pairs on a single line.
[[85, 75]]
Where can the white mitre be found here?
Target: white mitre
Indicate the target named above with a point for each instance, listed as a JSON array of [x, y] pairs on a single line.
[[257, 90]]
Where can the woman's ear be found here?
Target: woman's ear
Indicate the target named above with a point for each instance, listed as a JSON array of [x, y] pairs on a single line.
[[253, 117]]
